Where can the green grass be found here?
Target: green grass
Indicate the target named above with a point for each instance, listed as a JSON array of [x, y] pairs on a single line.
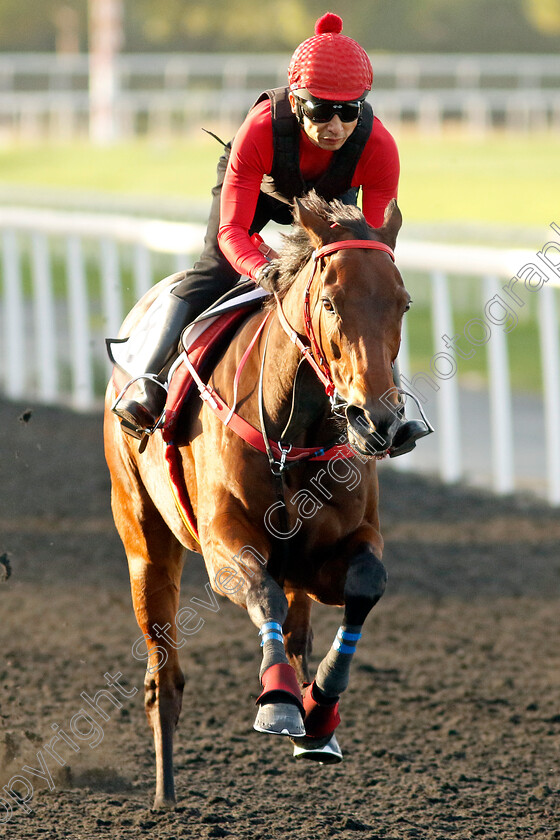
[[503, 180], [182, 170]]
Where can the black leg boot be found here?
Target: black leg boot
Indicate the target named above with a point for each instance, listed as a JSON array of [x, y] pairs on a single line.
[[158, 335], [410, 430]]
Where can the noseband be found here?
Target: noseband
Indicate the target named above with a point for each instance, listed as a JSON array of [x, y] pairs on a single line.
[[313, 353]]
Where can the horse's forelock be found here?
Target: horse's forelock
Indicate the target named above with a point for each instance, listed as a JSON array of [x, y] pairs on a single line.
[[338, 213], [298, 248]]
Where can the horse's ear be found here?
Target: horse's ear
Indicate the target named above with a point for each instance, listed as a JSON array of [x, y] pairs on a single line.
[[319, 229], [391, 223]]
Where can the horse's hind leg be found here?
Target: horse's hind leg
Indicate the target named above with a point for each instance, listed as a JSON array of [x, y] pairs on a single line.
[[155, 560], [155, 593], [298, 635]]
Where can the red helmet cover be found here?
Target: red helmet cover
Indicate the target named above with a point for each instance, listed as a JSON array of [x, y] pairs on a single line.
[[330, 65]]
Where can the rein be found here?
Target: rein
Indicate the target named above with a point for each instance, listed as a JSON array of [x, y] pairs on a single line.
[[290, 455], [286, 456]]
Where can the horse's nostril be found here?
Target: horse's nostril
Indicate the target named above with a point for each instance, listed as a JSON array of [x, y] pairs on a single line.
[[358, 419], [376, 437]]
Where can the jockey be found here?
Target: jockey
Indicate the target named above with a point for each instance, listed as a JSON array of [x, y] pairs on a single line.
[[317, 133]]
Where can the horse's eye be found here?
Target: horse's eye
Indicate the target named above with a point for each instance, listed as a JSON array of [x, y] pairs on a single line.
[[327, 304], [407, 307]]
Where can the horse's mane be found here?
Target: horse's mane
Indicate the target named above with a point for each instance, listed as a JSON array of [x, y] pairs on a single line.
[[297, 248]]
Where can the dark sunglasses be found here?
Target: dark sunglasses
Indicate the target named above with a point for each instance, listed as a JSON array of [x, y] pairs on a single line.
[[323, 110]]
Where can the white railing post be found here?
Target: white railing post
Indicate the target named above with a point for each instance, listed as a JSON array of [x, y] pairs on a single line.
[[142, 270], [550, 363], [14, 318], [82, 384], [448, 423], [403, 360], [45, 319], [111, 287], [501, 411]]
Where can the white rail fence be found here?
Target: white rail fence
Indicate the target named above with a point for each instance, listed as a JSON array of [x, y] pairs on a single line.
[[173, 94], [68, 279]]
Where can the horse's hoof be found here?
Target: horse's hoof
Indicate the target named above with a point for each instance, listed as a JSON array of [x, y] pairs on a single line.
[[280, 719], [321, 750], [161, 804]]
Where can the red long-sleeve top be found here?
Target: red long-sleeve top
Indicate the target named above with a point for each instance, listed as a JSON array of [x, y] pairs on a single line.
[[251, 157]]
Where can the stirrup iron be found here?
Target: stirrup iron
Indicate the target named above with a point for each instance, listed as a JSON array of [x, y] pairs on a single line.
[[137, 431]]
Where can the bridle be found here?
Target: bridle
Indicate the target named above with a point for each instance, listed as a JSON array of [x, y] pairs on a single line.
[[313, 352]]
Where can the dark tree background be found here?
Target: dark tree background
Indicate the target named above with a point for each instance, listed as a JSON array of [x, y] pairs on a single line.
[[279, 25]]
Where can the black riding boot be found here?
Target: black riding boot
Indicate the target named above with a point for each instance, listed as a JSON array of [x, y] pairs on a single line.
[[162, 327], [410, 430]]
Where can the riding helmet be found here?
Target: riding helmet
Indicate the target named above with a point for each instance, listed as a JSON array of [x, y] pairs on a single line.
[[330, 65]]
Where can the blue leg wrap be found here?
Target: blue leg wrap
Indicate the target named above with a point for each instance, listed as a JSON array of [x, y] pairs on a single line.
[[334, 670], [272, 643]]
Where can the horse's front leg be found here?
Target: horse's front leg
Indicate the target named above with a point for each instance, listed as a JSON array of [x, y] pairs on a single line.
[[363, 587], [280, 705], [242, 566]]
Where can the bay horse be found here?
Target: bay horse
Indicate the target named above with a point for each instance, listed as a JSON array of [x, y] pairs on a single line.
[[300, 524]]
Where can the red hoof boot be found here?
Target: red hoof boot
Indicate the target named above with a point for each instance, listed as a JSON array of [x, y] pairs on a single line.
[[320, 719], [280, 706]]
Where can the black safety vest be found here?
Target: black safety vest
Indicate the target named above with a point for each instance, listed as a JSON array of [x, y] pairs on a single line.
[[285, 180]]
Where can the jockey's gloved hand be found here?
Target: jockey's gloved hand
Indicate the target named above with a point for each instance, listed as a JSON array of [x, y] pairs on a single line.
[[265, 277]]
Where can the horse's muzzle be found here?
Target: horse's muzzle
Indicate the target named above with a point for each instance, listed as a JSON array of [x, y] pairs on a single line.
[[369, 438]]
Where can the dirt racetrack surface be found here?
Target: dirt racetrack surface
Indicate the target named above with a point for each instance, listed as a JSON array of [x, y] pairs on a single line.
[[450, 726]]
